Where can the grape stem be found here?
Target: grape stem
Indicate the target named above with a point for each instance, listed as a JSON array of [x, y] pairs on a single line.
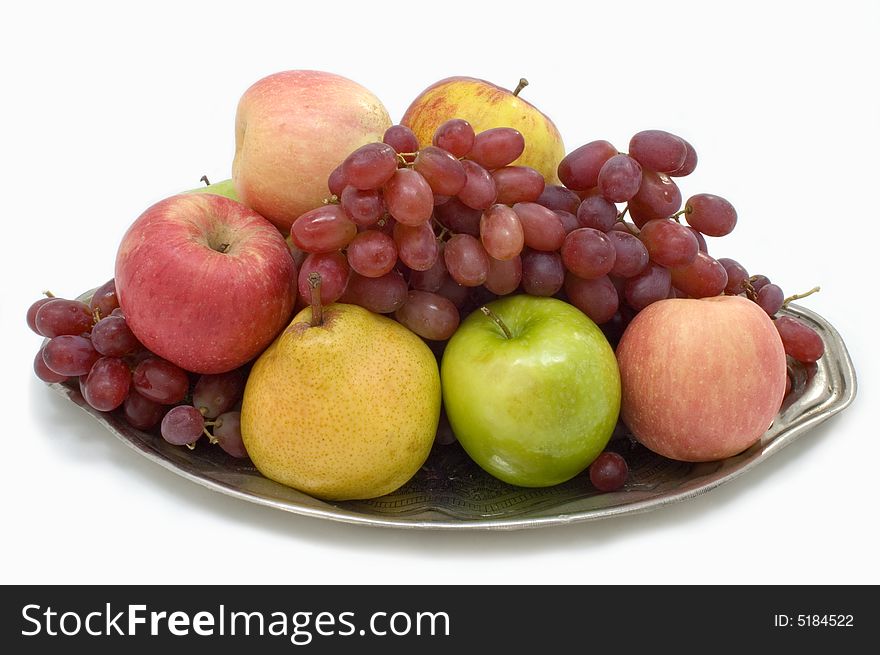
[[685, 210], [620, 218], [523, 83], [204, 178], [332, 200], [315, 290], [402, 158], [497, 320], [798, 296]]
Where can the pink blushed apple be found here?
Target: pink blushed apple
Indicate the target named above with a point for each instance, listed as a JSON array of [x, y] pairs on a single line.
[[205, 282], [291, 130], [703, 379]]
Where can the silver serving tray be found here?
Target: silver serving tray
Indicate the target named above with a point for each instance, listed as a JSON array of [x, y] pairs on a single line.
[[451, 492]]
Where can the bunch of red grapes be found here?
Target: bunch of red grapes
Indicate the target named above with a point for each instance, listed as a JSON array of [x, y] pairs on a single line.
[[92, 344], [430, 234]]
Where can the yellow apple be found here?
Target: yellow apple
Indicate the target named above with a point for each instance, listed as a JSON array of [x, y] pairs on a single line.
[[485, 105]]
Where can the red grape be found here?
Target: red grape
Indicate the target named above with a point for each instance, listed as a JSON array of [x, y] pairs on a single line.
[[801, 342], [647, 287], [712, 215], [111, 336], [456, 136], [429, 315], [408, 197], [104, 300], [770, 298], [479, 190], [370, 166], [542, 228], [579, 169], [372, 253], [588, 253], [737, 276], [504, 275], [401, 138], [702, 278], [517, 184], [140, 412], [227, 432], [45, 373], [597, 298], [658, 150], [466, 260], [333, 269], [324, 229], [382, 295], [70, 355], [555, 196], [417, 246], [443, 172], [669, 243], [501, 232], [459, 218], [631, 256], [107, 384], [608, 472], [182, 425], [497, 147], [216, 393], [619, 178], [658, 197], [597, 212], [160, 381], [60, 316], [362, 207], [542, 272]]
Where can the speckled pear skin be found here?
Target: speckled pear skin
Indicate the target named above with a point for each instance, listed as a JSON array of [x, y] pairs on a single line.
[[345, 410]]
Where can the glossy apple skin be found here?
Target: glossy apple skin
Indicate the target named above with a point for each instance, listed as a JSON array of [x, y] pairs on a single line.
[[485, 105], [702, 379], [205, 310], [536, 409], [291, 130]]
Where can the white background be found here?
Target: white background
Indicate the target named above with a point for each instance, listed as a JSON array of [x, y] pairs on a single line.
[[107, 109]]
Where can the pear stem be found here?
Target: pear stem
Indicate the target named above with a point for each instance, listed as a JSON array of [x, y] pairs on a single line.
[[315, 290], [204, 178], [497, 320], [523, 83], [798, 296]]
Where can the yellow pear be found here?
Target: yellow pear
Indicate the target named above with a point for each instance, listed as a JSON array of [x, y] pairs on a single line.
[[343, 409]]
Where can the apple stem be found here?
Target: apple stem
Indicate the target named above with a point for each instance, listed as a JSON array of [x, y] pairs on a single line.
[[497, 320], [315, 290], [223, 247], [798, 296], [523, 83], [204, 178], [48, 294]]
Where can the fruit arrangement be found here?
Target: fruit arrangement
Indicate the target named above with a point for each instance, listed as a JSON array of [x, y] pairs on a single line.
[[358, 283]]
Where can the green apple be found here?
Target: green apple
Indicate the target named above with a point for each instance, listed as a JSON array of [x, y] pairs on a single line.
[[531, 389], [222, 188]]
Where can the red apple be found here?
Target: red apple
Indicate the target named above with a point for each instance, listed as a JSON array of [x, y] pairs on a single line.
[[702, 379], [291, 130], [205, 282]]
